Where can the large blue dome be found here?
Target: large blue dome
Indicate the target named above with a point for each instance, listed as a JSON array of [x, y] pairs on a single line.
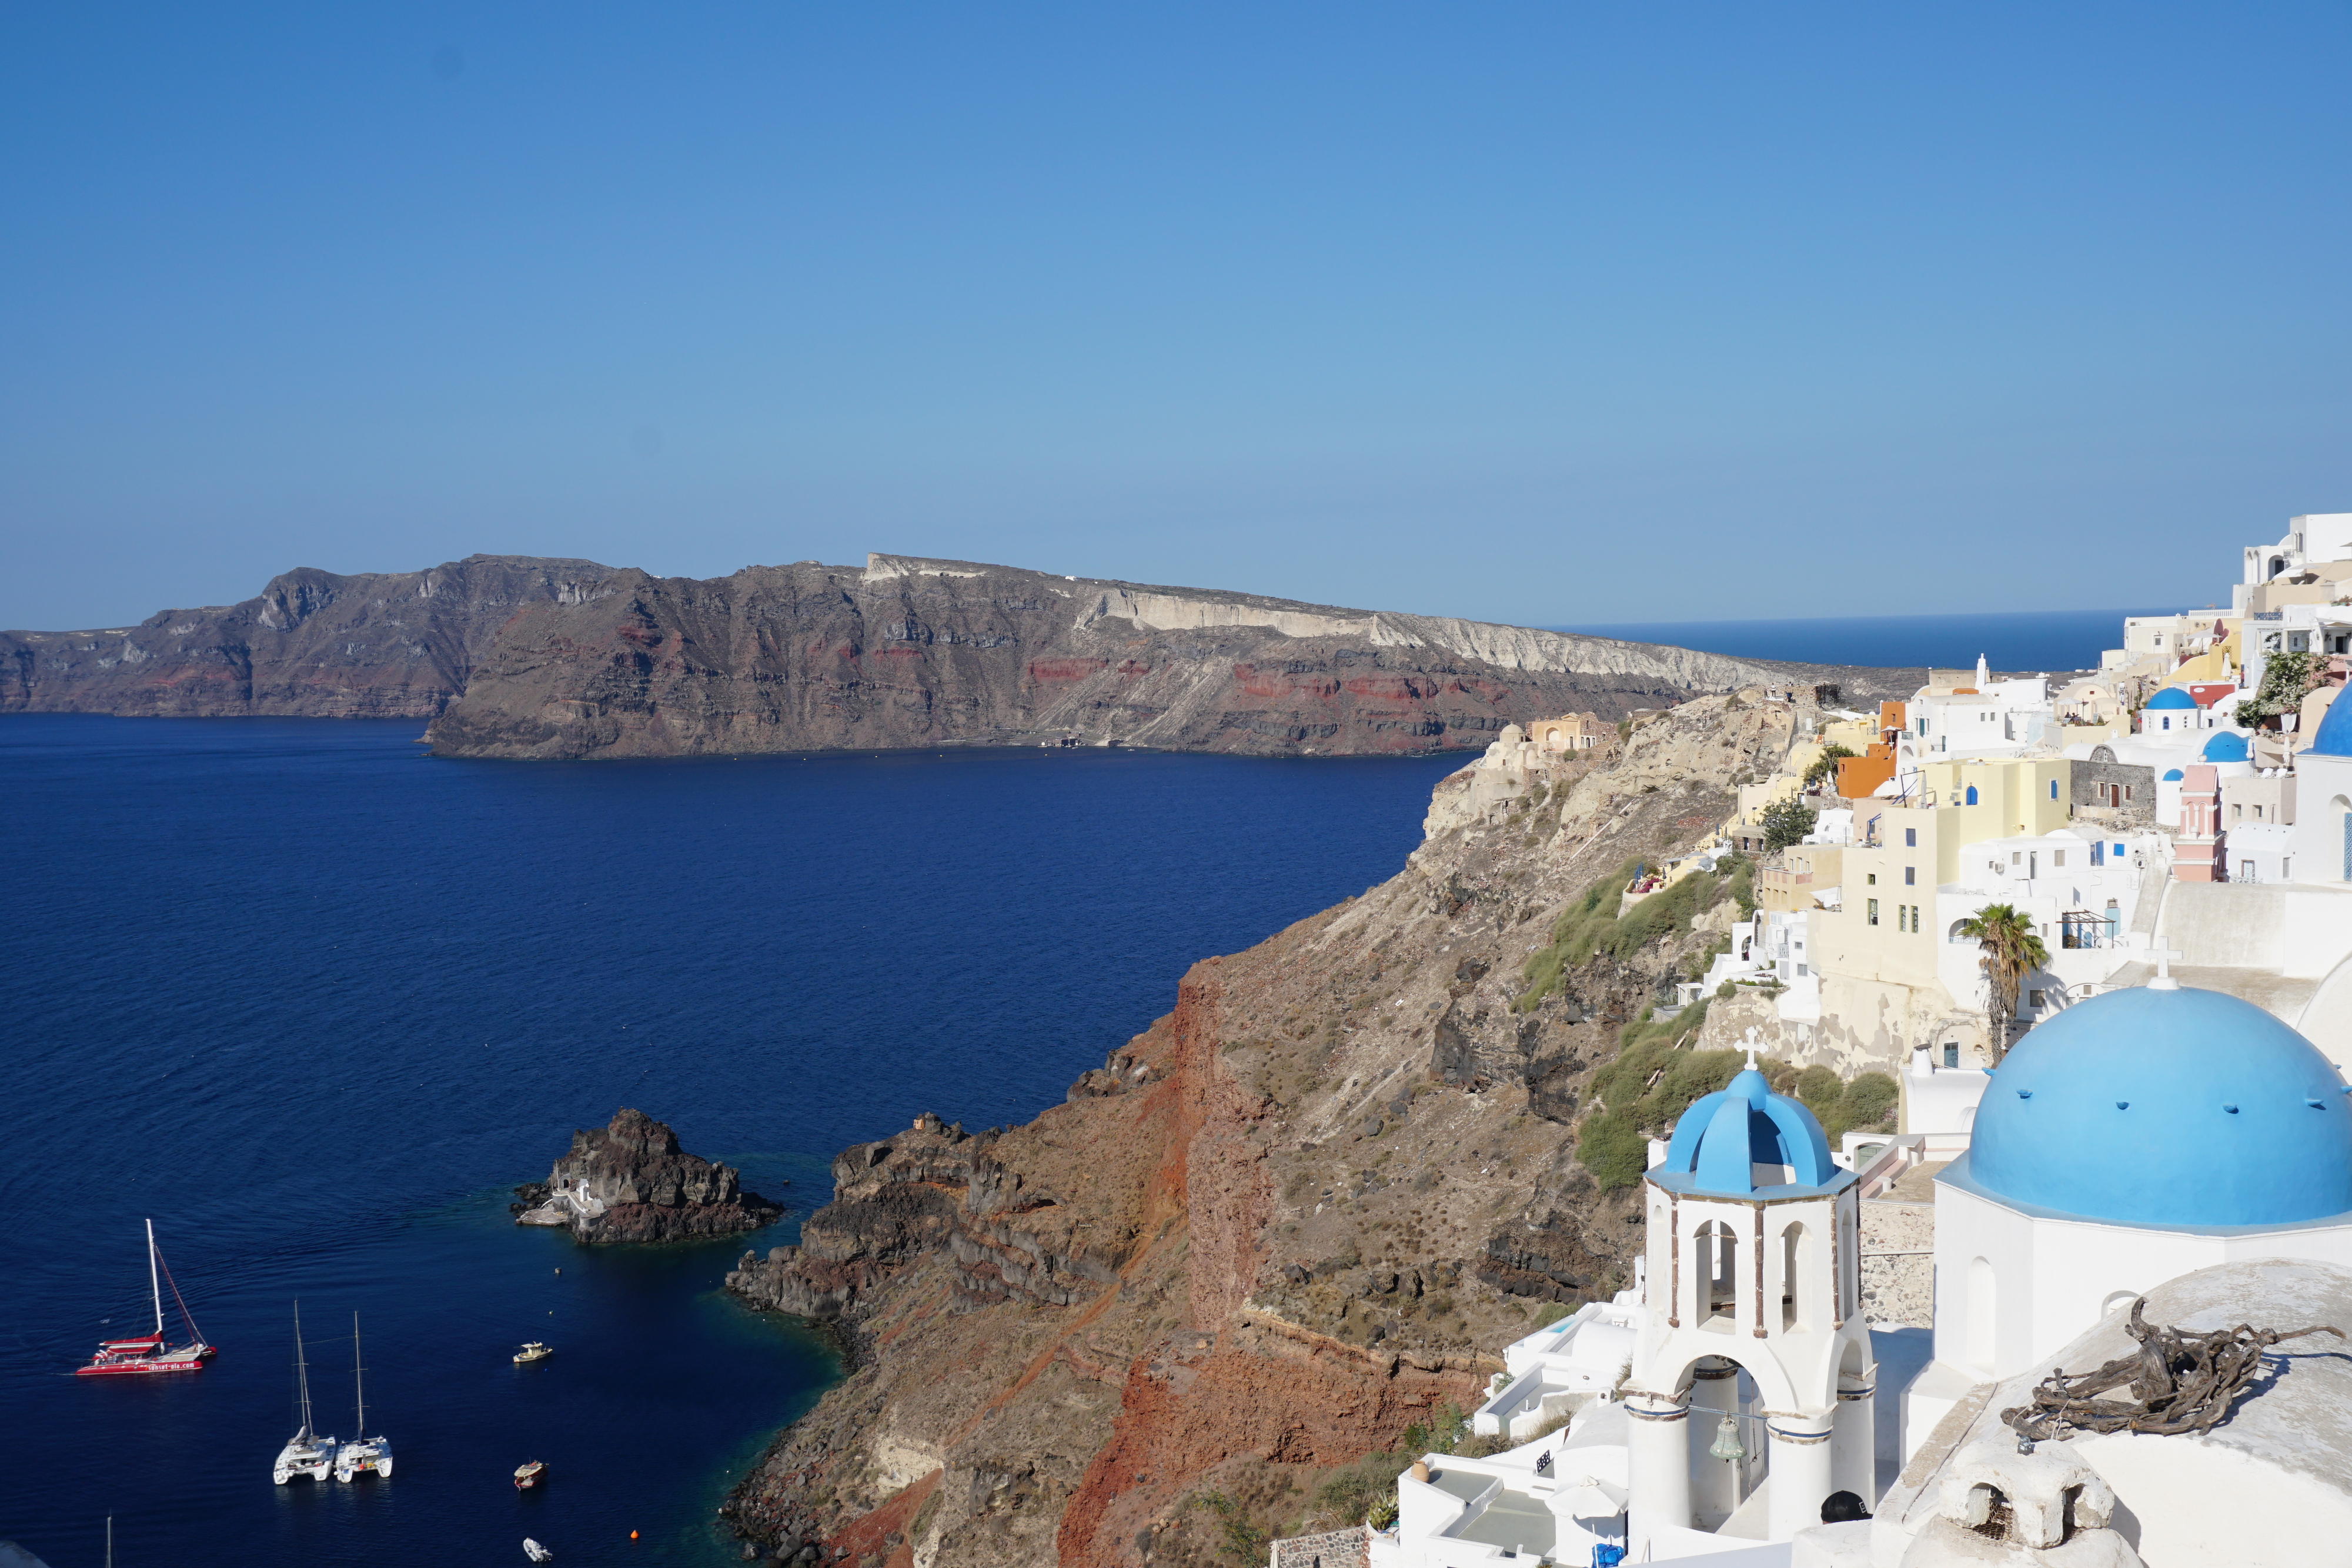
[[2334, 735], [2150, 1106]]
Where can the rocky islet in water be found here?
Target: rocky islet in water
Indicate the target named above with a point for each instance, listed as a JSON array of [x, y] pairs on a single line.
[[629, 1181]]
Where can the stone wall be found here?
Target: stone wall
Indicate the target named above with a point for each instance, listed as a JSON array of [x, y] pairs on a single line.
[[1898, 1263], [2088, 782], [1349, 1547]]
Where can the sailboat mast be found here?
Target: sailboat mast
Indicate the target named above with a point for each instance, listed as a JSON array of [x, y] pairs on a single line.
[[358, 1386], [301, 1370], [154, 1284]]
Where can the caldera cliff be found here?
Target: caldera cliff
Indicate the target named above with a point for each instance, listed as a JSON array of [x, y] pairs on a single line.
[[1206, 1297]]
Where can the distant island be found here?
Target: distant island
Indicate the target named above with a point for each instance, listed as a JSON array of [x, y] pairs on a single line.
[[529, 657]]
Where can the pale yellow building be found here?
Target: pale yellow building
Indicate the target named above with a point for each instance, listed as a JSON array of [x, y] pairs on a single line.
[[1878, 952], [1803, 870]]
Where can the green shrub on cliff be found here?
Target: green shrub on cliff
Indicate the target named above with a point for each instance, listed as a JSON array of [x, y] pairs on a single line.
[[1243, 1539], [1591, 924]]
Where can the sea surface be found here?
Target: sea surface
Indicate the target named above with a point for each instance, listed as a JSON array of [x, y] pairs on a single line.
[[314, 1003], [2050, 641]]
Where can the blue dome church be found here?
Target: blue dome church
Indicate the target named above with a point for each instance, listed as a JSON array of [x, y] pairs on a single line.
[[2135, 1136], [1750, 1320]]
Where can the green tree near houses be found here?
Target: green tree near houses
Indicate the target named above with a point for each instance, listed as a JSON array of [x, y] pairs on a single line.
[[1787, 823], [1825, 765], [2287, 678], [2010, 950]]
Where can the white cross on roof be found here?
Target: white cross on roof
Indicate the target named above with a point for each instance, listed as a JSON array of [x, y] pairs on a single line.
[[2164, 957]]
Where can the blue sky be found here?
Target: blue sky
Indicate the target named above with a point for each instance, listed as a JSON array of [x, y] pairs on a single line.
[[1540, 313]]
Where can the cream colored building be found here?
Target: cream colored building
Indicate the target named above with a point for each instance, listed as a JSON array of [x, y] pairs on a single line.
[[1802, 870], [1880, 953], [1576, 732]]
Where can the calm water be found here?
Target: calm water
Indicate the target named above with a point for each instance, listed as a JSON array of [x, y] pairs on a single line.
[[314, 1002], [2049, 640]]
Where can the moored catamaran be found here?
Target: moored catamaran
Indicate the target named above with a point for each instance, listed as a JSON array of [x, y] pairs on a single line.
[[362, 1454], [152, 1352], [305, 1453]]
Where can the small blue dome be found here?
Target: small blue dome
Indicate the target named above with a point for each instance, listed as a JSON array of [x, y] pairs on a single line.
[[2172, 776], [2334, 735], [2167, 1107], [2227, 745], [2172, 697], [1724, 1136]]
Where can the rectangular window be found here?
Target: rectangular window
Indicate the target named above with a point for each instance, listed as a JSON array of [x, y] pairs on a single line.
[[2033, 999], [1872, 879], [2057, 858], [1952, 1053], [2017, 857], [2054, 788], [1910, 838], [1874, 911], [2120, 851]]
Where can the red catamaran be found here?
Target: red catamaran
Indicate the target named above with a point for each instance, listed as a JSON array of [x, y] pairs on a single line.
[[151, 1352]]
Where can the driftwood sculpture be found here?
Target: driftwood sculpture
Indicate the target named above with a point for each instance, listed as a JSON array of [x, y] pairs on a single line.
[[2178, 1383]]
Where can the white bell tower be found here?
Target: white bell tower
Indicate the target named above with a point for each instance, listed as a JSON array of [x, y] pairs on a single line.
[[1752, 1344]]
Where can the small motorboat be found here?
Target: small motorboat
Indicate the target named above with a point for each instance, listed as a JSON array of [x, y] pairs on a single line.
[[527, 1476], [533, 1352], [535, 1552]]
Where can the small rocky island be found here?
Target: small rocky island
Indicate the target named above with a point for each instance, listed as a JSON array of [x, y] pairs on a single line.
[[631, 1182]]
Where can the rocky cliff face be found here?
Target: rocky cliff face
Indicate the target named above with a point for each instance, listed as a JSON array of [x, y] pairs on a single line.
[[1302, 1212], [927, 652], [631, 1182], [375, 645]]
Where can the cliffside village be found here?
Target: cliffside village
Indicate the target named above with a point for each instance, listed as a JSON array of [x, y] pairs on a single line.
[[2108, 1159]]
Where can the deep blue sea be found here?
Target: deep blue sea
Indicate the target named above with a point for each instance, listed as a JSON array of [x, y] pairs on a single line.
[[314, 1003], [2046, 639]]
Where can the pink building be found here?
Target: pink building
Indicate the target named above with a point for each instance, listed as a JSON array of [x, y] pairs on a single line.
[[2198, 853]]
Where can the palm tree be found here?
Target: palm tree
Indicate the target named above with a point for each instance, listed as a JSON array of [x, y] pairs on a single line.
[[2013, 950]]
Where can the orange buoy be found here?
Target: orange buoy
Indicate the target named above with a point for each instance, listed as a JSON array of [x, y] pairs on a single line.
[[633, 1535]]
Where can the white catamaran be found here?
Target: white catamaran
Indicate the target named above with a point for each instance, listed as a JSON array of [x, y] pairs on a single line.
[[305, 1453], [362, 1454]]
